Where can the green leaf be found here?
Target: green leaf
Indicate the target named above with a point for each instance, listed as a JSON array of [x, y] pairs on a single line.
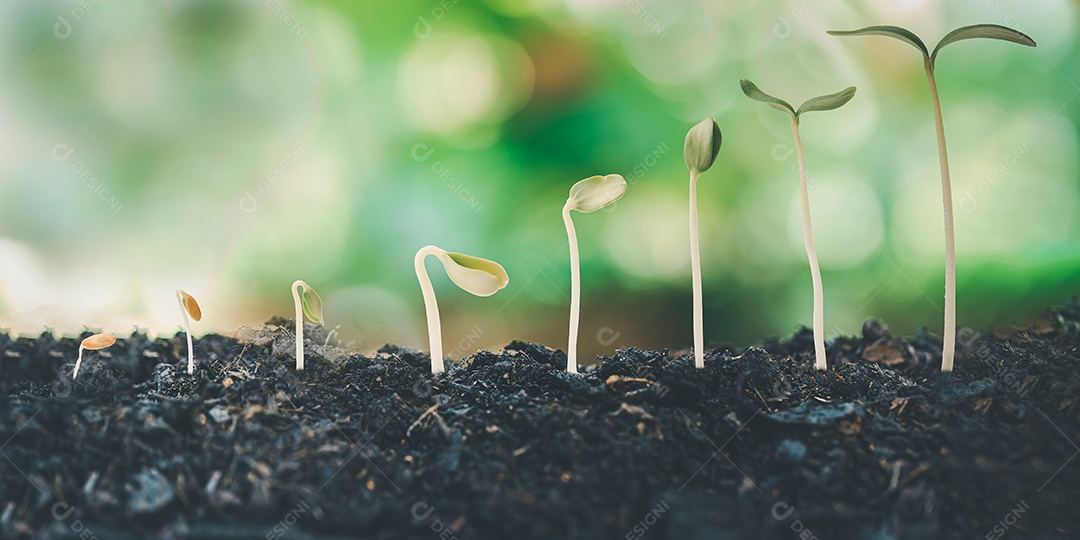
[[827, 103], [702, 145], [596, 192], [753, 92], [473, 274], [311, 303], [989, 31], [907, 36]]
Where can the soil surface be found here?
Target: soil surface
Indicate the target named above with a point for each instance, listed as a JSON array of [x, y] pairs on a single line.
[[508, 445]]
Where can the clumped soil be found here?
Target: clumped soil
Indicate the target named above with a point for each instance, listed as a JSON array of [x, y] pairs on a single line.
[[508, 445]]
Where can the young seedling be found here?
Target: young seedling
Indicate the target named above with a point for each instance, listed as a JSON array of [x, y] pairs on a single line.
[[307, 303], [588, 195], [473, 274], [990, 31], [189, 308], [699, 152], [95, 342], [820, 103]]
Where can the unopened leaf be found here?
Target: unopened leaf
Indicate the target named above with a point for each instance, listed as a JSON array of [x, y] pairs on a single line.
[[98, 342], [989, 31], [473, 274], [753, 92], [702, 145], [191, 306], [907, 36], [311, 303], [828, 102], [596, 192]]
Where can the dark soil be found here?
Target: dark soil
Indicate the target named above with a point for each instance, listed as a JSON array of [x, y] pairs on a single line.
[[507, 445]]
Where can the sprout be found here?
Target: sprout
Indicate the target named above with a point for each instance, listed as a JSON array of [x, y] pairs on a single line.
[[95, 342], [820, 103], [588, 195], [990, 31], [189, 308], [699, 151], [309, 304], [473, 274]]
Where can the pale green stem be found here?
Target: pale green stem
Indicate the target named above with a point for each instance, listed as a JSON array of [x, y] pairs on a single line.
[[949, 338], [695, 264], [811, 253], [575, 291], [433, 324], [187, 328], [299, 324], [78, 363]]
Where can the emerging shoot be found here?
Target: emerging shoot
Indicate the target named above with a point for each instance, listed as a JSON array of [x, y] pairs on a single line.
[[308, 304], [699, 151], [989, 31], [95, 342], [820, 103], [189, 308], [588, 195], [473, 274]]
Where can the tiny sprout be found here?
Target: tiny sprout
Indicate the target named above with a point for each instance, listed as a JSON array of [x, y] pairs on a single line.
[[189, 308], [989, 31], [699, 152], [95, 342], [473, 274], [820, 103], [309, 304], [588, 195]]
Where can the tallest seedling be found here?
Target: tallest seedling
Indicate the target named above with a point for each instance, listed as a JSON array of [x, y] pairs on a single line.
[[699, 152], [820, 103], [991, 31]]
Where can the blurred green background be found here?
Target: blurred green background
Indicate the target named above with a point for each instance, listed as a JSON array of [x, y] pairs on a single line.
[[230, 147]]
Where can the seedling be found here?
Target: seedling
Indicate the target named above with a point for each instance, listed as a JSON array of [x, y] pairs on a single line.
[[588, 195], [990, 31], [95, 342], [309, 304], [473, 274], [189, 308], [820, 103], [699, 152]]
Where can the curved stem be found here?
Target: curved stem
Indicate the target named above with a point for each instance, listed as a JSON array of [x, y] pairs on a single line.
[[695, 264], [575, 291], [78, 363], [811, 253], [434, 326], [299, 324], [949, 338], [187, 328]]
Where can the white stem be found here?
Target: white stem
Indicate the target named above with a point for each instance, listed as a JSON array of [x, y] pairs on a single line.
[[575, 291], [695, 264], [299, 324], [187, 328], [811, 254], [78, 363], [949, 338], [434, 326]]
